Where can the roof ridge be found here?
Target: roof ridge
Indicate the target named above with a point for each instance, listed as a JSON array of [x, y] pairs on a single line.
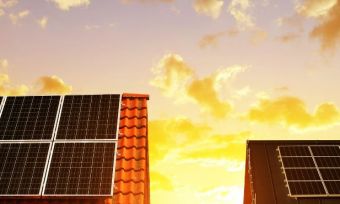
[[135, 95]]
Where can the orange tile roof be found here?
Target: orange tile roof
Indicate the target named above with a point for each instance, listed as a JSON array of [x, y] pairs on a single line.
[[131, 185], [132, 164]]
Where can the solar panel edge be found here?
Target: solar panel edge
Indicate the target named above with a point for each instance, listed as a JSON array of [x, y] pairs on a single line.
[[2, 104]]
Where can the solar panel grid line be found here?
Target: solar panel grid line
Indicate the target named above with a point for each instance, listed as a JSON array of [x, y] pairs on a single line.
[[116, 146], [46, 168], [56, 122], [284, 171], [115, 160], [3, 166], [11, 177], [11, 113], [118, 117], [91, 169], [322, 181], [82, 159], [55, 129], [2, 104], [22, 173]]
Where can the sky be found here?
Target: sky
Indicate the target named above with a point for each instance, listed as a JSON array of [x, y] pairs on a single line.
[[218, 72]]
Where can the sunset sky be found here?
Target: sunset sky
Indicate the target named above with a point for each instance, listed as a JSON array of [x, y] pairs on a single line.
[[218, 72]]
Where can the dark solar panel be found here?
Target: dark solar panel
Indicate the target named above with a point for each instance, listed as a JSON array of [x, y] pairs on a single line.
[[328, 161], [317, 174], [28, 118], [306, 188], [81, 169], [333, 187], [22, 167], [89, 117], [326, 150], [294, 151], [298, 162], [302, 174], [330, 174]]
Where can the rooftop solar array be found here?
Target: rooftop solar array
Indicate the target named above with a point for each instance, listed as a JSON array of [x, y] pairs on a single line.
[[311, 170], [58, 145]]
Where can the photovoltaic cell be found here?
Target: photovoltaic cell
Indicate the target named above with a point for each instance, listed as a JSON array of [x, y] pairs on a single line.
[[325, 150], [81, 169], [330, 174], [306, 188], [22, 167], [89, 117], [298, 162], [333, 187], [302, 174], [328, 161], [294, 150], [28, 118]]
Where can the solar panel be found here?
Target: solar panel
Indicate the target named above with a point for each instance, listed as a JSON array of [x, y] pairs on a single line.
[[22, 167], [89, 117], [58, 145], [311, 170], [28, 118], [81, 169]]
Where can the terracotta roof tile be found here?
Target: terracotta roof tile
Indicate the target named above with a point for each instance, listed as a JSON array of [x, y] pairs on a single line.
[[132, 172]]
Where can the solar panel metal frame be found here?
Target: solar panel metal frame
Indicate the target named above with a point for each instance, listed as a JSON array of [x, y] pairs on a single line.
[[2, 104], [47, 158], [82, 195], [327, 194]]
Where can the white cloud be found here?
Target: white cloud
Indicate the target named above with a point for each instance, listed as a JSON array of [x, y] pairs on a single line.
[[315, 8], [210, 8], [223, 194], [16, 17], [42, 22], [7, 89], [3, 63], [65, 5], [239, 9]]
